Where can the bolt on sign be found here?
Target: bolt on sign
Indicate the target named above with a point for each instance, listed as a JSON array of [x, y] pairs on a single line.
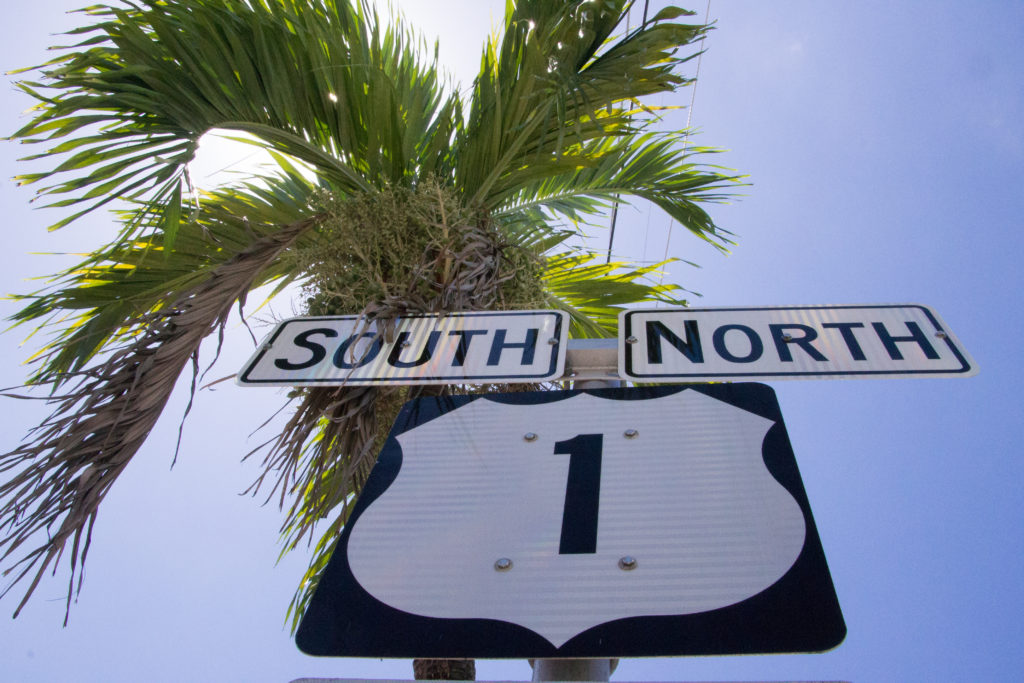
[[796, 342], [653, 521], [507, 346]]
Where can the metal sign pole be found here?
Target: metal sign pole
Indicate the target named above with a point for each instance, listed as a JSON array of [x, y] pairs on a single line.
[[573, 669], [578, 669]]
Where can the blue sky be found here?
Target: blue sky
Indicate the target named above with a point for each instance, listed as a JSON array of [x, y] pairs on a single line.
[[884, 151]]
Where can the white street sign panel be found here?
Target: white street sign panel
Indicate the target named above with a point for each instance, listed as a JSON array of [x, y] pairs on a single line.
[[793, 342], [612, 522], [507, 346]]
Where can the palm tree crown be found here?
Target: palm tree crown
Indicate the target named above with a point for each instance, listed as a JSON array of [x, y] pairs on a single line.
[[392, 194]]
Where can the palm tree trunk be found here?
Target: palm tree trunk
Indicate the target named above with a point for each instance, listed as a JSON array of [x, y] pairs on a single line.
[[444, 669]]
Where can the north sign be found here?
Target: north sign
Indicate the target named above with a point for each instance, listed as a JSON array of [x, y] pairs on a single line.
[[796, 342], [509, 346], [656, 521]]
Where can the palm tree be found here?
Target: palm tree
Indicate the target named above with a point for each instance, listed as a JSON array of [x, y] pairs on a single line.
[[392, 194]]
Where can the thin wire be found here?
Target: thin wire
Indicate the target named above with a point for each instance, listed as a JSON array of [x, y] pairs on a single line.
[[647, 231], [615, 204], [611, 235], [686, 134]]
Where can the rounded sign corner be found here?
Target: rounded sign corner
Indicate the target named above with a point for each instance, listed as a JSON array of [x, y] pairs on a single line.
[[796, 342], [507, 597], [452, 348]]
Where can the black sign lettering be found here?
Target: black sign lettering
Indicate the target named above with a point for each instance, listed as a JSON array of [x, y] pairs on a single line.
[[846, 329], [916, 335], [465, 337], [756, 347], [368, 355], [781, 331], [403, 341], [582, 493], [499, 344], [689, 347], [303, 340]]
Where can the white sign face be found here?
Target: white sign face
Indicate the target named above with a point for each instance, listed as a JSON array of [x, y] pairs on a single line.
[[798, 342], [704, 520], [649, 521], [509, 346]]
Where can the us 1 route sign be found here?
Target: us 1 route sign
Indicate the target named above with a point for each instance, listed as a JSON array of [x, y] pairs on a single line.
[[510, 346], [795, 342], [656, 521]]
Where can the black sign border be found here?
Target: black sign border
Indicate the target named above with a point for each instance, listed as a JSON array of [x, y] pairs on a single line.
[[966, 368], [244, 378], [798, 613]]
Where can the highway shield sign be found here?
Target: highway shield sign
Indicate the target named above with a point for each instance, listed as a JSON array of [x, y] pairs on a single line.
[[597, 523]]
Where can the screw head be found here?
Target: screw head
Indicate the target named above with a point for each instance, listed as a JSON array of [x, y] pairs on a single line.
[[529, 436], [631, 340], [941, 335], [631, 433], [786, 336], [627, 563], [553, 341], [406, 343], [502, 564]]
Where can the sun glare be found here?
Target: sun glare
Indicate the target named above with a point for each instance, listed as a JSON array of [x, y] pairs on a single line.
[[224, 157]]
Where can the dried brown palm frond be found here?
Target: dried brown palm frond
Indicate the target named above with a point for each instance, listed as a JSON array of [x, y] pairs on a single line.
[[71, 460], [444, 669], [328, 440], [397, 252], [554, 129], [386, 254]]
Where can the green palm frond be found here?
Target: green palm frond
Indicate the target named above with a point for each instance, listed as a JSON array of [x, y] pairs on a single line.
[[649, 166], [97, 301], [419, 201], [324, 81], [594, 292], [555, 79], [101, 421]]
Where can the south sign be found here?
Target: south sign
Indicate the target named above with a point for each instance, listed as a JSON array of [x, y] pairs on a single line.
[[509, 346], [797, 342]]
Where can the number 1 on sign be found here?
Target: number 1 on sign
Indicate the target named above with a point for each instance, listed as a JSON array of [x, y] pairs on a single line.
[[582, 493]]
